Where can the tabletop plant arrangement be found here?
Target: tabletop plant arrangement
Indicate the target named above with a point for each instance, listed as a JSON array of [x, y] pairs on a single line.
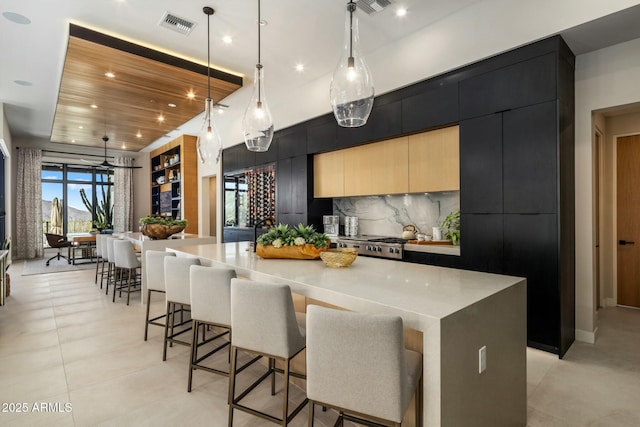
[[301, 242], [159, 227]]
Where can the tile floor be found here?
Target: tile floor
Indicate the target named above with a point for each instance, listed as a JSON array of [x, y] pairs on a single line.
[[64, 342]]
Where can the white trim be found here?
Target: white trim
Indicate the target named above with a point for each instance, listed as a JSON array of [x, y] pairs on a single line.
[[3, 148], [586, 336]]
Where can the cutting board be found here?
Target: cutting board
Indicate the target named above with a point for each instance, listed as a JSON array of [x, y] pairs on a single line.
[[430, 242]]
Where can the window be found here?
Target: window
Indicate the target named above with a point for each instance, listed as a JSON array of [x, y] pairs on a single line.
[[75, 198]]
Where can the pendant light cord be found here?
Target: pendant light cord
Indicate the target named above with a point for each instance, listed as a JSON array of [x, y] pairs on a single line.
[[352, 7], [208, 57], [259, 64]]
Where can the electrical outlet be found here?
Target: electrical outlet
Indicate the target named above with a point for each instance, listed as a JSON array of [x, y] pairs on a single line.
[[482, 359]]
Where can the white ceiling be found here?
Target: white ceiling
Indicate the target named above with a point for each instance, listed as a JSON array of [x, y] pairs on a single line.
[[298, 31]]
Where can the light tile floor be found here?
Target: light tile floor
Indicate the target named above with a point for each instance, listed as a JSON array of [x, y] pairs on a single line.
[[63, 341]]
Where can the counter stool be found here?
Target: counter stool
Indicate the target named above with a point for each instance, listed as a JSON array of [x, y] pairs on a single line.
[[104, 256], [210, 306], [111, 263], [98, 255], [357, 364], [154, 267], [127, 261], [264, 322], [178, 292]]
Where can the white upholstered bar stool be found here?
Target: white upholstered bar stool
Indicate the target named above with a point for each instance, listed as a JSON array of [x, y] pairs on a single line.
[[154, 267], [210, 306], [127, 261], [358, 365], [264, 322], [178, 292], [111, 263]]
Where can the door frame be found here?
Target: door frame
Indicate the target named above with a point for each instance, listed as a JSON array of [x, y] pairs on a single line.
[[598, 181]]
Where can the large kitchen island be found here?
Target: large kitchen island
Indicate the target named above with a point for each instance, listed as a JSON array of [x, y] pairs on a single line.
[[450, 315]]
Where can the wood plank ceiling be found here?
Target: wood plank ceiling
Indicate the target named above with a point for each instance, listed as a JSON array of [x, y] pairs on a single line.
[[128, 106]]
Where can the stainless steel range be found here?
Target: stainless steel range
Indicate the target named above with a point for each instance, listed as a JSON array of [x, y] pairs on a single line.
[[376, 246]]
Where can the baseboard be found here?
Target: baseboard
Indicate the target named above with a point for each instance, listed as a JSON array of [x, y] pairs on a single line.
[[586, 336]]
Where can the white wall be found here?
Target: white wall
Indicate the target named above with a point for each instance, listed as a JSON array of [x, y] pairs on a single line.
[[604, 78], [7, 143]]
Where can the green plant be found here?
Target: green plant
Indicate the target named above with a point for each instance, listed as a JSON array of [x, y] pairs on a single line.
[[162, 220], [104, 209], [451, 226], [283, 235]]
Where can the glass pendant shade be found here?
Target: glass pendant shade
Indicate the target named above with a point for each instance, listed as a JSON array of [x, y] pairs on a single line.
[[208, 144], [352, 89], [257, 124]]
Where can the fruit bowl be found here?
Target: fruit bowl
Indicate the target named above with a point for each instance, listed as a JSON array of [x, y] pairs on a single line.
[[339, 257]]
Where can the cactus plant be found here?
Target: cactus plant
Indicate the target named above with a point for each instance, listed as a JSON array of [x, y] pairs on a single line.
[[104, 209]]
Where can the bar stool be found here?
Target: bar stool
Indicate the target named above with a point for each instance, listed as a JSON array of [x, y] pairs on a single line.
[[357, 364], [98, 255], [104, 255], [154, 267], [126, 260], [264, 322], [111, 263], [178, 292]]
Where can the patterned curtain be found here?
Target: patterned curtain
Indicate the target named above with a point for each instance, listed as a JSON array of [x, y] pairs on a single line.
[[28, 235], [123, 196]]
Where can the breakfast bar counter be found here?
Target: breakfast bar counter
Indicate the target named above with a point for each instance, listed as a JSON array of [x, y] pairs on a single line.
[[457, 312]]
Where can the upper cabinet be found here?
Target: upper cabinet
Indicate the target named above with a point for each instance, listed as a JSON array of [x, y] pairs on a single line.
[[434, 161], [425, 162], [379, 168]]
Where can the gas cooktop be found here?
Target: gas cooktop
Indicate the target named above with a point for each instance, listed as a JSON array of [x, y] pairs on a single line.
[[376, 246]]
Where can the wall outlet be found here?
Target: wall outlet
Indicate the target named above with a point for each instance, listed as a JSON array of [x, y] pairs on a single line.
[[482, 359]]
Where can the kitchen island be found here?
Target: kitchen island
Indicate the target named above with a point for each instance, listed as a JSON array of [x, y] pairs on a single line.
[[455, 312]]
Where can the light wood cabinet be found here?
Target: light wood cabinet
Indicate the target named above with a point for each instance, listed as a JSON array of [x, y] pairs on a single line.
[[434, 161], [174, 181], [328, 174], [425, 162], [379, 168]]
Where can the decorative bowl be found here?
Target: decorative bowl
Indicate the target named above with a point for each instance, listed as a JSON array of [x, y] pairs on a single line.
[[339, 257], [160, 231]]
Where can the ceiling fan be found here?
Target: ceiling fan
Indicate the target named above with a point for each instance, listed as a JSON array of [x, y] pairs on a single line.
[[105, 163]]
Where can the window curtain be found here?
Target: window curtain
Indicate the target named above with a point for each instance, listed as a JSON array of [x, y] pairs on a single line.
[[28, 236], [123, 196]]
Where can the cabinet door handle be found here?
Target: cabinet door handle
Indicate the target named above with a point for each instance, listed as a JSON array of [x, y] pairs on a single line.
[[626, 242]]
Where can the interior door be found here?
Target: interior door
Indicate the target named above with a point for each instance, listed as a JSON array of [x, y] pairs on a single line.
[[597, 193], [628, 216]]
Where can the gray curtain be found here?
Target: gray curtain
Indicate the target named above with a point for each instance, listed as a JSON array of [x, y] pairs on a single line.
[[28, 237], [123, 196]]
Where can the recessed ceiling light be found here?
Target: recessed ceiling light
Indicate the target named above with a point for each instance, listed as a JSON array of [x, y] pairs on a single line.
[[23, 83], [191, 95], [94, 106], [227, 40], [124, 146], [110, 74], [73, 140], [161, 118], [172, 105], [80, 127], [299, 67], [138, 135], [16, 18], [400, 12]]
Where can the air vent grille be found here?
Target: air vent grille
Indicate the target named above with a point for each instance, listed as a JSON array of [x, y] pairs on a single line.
[[372, 6], [177, 24]]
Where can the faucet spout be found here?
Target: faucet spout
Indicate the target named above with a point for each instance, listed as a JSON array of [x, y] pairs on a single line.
[[264, 221]]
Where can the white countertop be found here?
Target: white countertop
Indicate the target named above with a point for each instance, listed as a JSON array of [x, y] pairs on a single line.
[[415, 291]]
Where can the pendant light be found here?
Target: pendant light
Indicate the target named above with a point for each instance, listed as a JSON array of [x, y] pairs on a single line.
[[257, 124], [352, 84], [209, 145]]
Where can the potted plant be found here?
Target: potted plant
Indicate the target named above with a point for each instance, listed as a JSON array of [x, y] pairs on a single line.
[[301, 242], [451, 227], [159, 227]]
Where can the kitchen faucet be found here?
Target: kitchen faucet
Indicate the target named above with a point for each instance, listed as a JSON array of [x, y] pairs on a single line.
[[264, 221]]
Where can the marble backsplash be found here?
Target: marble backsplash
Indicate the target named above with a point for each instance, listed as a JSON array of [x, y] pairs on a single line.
[[386, 215]]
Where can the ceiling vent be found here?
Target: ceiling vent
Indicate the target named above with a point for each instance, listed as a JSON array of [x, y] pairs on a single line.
[[177, 24], [373, 6]]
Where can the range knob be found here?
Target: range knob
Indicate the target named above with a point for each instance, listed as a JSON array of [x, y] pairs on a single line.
[[369, 248], [378, 249]]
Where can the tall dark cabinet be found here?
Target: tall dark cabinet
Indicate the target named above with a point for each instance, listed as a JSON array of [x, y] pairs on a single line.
[[516, 118]]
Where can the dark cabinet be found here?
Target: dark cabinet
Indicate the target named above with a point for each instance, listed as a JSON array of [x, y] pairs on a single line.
[[291, 190], [284, 202], [269, 156], [292, 142], [530, 160], [525, 83], [531, 251], [482, 245], [237, 157], [385, 121], [436, 106], [481, 164], [321, 137]]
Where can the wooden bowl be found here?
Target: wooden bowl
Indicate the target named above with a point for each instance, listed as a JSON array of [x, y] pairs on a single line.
[[339, 257], [160, 231]]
